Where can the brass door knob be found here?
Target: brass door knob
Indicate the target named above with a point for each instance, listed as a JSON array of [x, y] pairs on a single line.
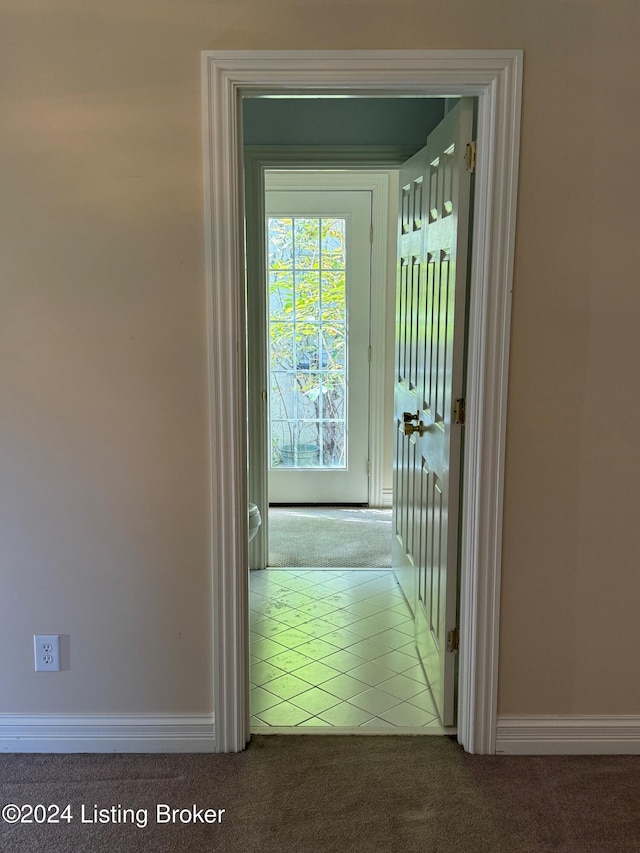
[[407, 416], [420, 428]]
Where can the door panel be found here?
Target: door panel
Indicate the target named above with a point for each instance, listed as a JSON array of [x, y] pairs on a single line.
[[433, 234], [411, 242], [319, 294]]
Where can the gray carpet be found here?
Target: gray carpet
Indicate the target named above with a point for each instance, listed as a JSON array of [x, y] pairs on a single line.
[[305, 794], [329, 537]]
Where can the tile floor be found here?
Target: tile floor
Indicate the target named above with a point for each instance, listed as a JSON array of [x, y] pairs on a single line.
[[334, 648]]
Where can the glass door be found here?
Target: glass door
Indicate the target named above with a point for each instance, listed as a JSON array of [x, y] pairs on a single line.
[[318, 270]]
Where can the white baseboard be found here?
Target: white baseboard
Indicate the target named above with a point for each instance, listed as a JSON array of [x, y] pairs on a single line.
[[560, 735], [73, 733], [387, 498]]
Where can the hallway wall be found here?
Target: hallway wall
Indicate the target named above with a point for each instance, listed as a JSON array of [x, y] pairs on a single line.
[[105, 493]]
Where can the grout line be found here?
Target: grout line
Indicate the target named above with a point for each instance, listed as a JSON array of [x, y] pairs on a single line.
[[363, 592]]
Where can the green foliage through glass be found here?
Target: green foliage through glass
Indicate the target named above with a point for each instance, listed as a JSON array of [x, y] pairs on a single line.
[[307, 341]]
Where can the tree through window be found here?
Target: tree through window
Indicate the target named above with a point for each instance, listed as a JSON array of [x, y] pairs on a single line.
[[307, 341]]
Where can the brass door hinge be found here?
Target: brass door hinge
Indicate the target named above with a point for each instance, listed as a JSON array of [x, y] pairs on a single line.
[[470, 156], [459, 411], [453, 640]]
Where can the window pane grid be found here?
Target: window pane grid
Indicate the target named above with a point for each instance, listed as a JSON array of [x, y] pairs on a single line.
[[307, 341]]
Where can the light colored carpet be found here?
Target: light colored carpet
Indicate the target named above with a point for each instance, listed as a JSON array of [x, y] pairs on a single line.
[[329, 537]]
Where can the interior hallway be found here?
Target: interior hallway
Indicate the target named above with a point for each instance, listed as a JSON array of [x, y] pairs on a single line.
[[334, 648]]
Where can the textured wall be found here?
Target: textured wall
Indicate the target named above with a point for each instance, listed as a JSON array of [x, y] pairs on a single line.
[[104, 491]]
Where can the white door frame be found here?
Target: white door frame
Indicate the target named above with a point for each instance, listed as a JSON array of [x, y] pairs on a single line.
[[495, 78]]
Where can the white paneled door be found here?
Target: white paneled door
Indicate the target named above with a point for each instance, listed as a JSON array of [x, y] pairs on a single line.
[[319, 281], [430, 349]]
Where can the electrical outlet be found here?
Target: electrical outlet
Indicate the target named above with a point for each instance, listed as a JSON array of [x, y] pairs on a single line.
[[46, 649]]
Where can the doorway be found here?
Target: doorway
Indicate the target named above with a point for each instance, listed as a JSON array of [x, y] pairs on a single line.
[[319, 171], [495, 78], [330, 647], [429, 368]]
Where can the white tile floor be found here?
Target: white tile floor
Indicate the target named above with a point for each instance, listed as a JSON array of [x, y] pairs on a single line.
[[334, 648]]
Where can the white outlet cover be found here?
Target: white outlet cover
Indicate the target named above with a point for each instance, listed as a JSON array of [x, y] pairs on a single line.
[[46, 650]]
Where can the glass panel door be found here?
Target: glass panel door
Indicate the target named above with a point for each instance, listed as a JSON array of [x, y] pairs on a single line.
[[318, 282]]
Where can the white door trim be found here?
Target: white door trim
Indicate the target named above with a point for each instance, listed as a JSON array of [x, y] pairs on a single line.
[[495, 78]]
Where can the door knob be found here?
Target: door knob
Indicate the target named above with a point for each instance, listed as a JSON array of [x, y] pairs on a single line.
[[420, 428], [407, 417]]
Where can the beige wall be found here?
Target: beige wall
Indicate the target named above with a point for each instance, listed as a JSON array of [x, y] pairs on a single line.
[[104, 489]]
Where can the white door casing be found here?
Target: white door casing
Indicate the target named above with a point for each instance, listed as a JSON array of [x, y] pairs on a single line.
[[495, 78], [433, 234], [348, 481]]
